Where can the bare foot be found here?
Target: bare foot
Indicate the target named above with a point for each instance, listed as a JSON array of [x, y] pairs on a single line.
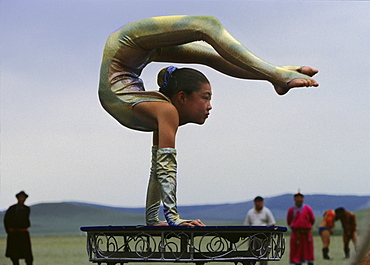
[[299, 82], [308, 71], [193, 223], [302, 69]]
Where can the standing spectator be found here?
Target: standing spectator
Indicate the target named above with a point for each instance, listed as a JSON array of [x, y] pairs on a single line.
[[16, 223], [326, 228], [300, 219], [348, 220], [259, 216]]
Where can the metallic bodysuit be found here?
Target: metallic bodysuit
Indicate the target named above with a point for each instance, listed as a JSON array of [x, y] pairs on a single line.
[[178, 39]]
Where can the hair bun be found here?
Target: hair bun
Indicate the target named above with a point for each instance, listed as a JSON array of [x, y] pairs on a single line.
[[164, 77], [160, 77]]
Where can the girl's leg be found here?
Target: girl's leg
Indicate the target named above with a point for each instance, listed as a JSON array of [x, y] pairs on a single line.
[[203, 53], [160, 32]]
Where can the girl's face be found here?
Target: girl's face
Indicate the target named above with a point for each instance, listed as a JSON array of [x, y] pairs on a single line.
[[197, 105]]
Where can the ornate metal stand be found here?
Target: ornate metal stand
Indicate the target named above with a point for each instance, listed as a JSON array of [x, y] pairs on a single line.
[[244, 244]]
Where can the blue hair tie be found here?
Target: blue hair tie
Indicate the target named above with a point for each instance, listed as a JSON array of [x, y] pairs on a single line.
[[166, 77]]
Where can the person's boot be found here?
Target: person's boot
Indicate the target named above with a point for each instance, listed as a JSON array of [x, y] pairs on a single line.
[[346, 252], [15, 261], [166, 174], [325, 253], [153, 195]]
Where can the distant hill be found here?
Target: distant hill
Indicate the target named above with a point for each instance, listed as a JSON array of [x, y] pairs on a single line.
[[235, 212], [68, 217]]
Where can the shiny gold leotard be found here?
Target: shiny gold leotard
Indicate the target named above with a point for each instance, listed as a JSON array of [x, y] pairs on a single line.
[[179, 39]]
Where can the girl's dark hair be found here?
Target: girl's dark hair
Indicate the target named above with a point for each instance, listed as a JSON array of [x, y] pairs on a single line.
[[182, 79]]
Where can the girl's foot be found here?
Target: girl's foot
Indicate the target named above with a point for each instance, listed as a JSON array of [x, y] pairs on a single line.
[[298, 82], [308, 71], [302, 69]]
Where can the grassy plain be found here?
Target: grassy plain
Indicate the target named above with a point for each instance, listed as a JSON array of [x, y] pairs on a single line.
[[71, 250]]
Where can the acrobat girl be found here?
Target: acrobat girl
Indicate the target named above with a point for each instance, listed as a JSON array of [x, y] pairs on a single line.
[[184, 95]]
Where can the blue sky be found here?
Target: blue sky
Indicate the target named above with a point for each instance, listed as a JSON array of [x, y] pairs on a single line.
[[58, 144]]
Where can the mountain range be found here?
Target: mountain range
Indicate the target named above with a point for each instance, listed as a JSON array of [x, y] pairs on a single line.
[[67, 217]]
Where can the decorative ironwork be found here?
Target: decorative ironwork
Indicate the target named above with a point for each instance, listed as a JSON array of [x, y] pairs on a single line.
[[112, 244]]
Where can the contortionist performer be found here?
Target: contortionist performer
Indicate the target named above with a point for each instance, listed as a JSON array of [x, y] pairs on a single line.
[[184, 94]]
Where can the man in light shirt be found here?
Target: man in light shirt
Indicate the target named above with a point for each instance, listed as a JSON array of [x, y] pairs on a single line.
[[259, 215]]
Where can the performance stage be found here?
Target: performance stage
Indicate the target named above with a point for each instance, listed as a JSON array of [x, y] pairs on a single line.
[[199, 245]]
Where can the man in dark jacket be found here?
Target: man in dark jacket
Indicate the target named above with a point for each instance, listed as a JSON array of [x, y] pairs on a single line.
[[16, 223]]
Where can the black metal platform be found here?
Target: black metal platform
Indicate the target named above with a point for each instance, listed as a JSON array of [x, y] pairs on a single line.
[[244, 244]]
